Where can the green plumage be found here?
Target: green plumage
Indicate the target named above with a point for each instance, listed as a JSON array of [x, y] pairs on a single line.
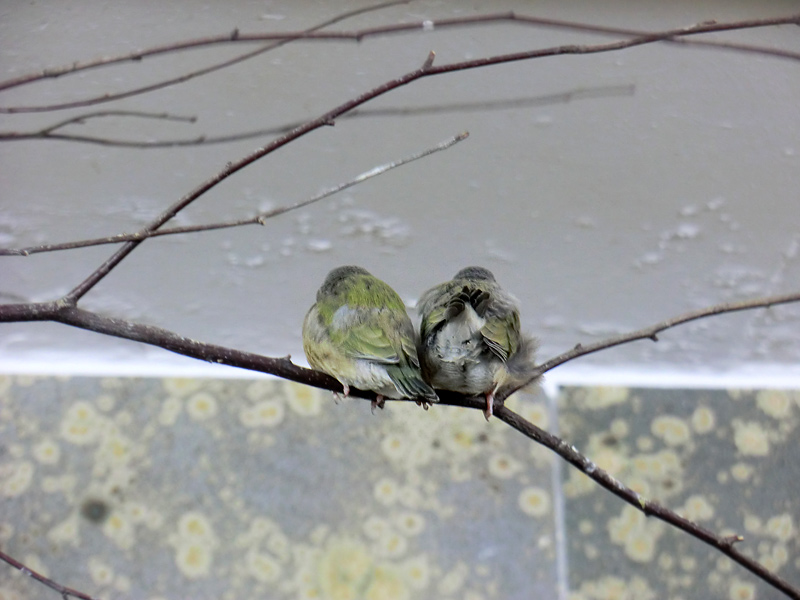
[[359, 332]]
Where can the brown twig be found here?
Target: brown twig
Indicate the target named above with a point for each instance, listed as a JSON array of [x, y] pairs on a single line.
[[651, 333], [65, 591], [562, 97], [258, 219], [283, 367], [648, 507], [76, 67], [359, 35]]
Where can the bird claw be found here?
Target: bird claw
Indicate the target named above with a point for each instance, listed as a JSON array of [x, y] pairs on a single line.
[[423, 403], [489, 410], [379, 402], [337, 397]]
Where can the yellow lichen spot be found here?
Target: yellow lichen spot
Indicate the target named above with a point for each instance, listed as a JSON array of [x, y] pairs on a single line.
[[409, 523], [394, 447], [703, 419], [535, 413], [504, 466], [202, 406], [101, 573], [666, 561], [262, 567], [750, 438], [6, 531], [688, 563], [260, 389], [586, 527], [619, 428], [266, 413], [375, 527], [65, 532], [697, 508], [81, 425], [386, 585], [417, 572], [170, 410], [742, 471], [454, 580], [181, 387], [119, 528], [392, 545], [194, 526], [15, 477], [775, 403], [115, 448], [193, 560], [105, 402], [47, 452], [741, 590], [304, 400], [781, 527], [385, 491], [673, 430], [578, 484], [603, 397], [344, 570], [641, 546], [534, 501], [752, 523], [645, 443]]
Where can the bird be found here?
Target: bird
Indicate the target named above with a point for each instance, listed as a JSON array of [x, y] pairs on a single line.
[[470, 338], [359, 332]]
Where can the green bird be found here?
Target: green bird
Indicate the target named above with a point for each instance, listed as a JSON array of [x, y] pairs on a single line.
[[359, 332], [470, 339]]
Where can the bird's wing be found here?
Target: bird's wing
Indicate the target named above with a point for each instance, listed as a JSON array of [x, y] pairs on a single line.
[[501, 333]]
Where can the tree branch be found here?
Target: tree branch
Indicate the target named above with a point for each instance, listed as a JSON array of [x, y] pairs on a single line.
[[48, 133], [259, 219], [648, 507], [62, 312], [427, 25], [77, 67], [65, 592]]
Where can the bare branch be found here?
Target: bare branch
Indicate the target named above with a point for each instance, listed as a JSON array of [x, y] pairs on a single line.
[[231, 37], [61, 312], [563, 98], [65, 592], [648, 507], [259, 219], [671, 36], [651, 333]]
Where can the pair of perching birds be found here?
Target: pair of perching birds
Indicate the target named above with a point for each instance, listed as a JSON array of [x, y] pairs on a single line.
[[470, 342]]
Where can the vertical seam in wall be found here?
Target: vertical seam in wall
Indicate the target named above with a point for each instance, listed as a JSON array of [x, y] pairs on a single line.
[[559, 510]]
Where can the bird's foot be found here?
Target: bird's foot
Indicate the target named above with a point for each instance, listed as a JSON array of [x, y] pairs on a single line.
[[489, 410], [345, 392], [379, 402]]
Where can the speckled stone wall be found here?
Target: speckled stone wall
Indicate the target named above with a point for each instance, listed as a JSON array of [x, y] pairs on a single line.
[[162, 489]]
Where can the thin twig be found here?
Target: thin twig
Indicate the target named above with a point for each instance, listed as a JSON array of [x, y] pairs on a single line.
[[648, 507], [52, 73], [426, 70], [359, 35], [204, 140], [65, 591], [258, 219]]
